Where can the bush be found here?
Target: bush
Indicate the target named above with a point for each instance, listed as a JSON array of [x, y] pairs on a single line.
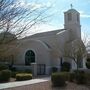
[[88, 59], [66, 66], [58, 79], [5, 75], [80, 77], [3, 67], [88, 64], [66, 75], [54, 69], [23, 76], [71, 77], [88, 78], [13, 69], [13, 74]]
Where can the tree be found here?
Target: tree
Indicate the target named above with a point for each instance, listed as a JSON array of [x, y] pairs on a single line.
[[16, 19], [86, 40], [76, 51]]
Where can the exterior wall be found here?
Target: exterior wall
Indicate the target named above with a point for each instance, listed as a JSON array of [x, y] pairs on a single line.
[[74, 65], [50, 56], [42, 55], [56, 44], [84, 63]]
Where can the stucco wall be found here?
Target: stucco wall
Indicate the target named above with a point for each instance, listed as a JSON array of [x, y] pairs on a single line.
[[41, 52]]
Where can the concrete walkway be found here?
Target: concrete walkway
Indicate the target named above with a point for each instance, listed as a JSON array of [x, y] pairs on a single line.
[[40, 84], [22, 83]]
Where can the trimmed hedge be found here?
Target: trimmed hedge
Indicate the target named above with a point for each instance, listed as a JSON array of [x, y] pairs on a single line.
[[23, 76], [71, 77], [88, 78], [80, 78], [13, 73], [59, 79], [5, 75], [3, 67]]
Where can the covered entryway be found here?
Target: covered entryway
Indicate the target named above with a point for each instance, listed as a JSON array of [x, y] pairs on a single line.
[[41, 69]]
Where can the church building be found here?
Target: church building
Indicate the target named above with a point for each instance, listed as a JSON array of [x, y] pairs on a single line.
[[43, 51]]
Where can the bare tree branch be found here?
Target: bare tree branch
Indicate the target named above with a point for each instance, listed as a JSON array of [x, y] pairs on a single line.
[[15, 20]]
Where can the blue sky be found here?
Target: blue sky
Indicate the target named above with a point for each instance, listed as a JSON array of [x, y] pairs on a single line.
[[58, 7]]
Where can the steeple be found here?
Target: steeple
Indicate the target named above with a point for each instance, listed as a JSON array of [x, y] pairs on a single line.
[[72, 22]]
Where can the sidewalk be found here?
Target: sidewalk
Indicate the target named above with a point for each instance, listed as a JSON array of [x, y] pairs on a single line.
[[40, 84], [22, 83]]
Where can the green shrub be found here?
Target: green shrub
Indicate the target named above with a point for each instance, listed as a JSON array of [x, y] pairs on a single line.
[[66, 75], [54, 69], [13, 74], [72, 77], [66, 66], [80, 77], [3, 67], [5, 75], [88, 64], [13, 69], [88, 59], [88, 78], [23, 76], [59, 79]]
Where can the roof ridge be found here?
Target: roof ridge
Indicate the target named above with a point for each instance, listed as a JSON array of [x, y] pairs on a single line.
[[45, 33]]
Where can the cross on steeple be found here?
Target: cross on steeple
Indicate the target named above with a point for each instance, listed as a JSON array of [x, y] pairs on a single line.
[[71, 6]]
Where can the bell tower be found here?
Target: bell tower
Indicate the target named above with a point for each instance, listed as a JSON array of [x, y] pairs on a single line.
[[72, 23]]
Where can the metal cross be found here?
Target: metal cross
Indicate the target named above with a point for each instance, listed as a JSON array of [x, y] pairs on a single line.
[[71, 6]]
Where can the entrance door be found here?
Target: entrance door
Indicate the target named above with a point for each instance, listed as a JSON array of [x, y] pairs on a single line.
[[41, 69]]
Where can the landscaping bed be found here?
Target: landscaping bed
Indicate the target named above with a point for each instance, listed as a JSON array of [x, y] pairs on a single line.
[[7, 75], [79, 77]]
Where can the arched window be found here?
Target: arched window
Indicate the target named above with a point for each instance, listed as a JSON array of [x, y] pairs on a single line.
[[29, 57]]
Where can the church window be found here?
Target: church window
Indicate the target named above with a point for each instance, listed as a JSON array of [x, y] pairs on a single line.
[[29, 57], [69, 16]]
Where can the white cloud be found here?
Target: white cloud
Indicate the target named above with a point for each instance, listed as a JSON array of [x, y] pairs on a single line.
[[32, 5], [42, 28], [39, 28], [84, 15]]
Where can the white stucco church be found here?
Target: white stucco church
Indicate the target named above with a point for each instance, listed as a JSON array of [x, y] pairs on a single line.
[[48, 49]]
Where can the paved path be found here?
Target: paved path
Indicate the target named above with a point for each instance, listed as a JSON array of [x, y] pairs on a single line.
[[22, 83], [48, 86], [41, 84]]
